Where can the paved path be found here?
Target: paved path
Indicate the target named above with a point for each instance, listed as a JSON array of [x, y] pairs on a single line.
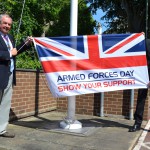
[[144, 140], [43, 133]]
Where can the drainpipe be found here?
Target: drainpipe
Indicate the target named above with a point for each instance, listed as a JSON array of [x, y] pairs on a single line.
[[102, 105], [131, 104], [99, 30]]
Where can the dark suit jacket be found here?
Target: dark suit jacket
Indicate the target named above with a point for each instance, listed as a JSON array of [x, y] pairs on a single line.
[[5, 62]]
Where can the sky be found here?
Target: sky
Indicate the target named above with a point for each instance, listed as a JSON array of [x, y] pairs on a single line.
[[97, 17]]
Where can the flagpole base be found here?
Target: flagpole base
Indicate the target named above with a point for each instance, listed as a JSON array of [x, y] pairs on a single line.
[[70, 125]]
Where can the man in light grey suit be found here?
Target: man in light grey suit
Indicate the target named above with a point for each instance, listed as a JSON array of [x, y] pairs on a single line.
[[7, 70]]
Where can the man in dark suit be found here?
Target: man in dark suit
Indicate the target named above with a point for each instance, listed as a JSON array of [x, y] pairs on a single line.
[[142, 95], [7, 70]]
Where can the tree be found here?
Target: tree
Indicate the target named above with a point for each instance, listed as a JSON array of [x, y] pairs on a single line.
[[44, 18], [122, 16], [61, 26]]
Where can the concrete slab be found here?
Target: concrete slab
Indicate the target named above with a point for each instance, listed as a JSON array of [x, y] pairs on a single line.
[[40, 133]]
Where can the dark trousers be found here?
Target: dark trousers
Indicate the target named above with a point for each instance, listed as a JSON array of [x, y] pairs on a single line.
[[138, 115], [141, 98]]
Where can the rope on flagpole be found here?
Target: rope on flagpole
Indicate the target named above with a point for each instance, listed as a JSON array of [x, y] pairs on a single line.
[[22, 46], [20, 21]]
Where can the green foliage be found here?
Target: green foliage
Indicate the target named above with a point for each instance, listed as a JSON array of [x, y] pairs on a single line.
[[123, 16], [28, 60], [61, 26], [43, 18]]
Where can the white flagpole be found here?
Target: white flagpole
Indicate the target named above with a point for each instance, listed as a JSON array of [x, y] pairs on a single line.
[[74, 18], [70, 122]]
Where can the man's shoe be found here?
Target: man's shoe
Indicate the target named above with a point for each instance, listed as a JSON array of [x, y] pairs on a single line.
[[135, 127], [7, 135]]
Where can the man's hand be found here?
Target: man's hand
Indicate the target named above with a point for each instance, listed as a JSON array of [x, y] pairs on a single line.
[[29, 40], [148, 85], [13, 52]]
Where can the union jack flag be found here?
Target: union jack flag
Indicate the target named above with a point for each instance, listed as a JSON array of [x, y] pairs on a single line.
[[70, 62]]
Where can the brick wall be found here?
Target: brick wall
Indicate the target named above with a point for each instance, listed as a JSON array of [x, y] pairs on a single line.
[[115, 103], [31, 96]]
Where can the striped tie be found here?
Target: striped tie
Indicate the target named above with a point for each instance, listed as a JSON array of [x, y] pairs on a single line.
[[8, 46], [7, 42]]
